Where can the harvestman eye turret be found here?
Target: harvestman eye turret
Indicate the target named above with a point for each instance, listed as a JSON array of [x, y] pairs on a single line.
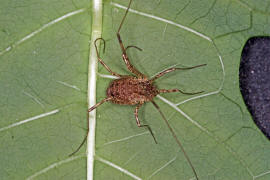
[[136, 90]]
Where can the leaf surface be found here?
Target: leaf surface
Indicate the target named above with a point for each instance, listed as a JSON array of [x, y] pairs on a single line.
[[44, 52]]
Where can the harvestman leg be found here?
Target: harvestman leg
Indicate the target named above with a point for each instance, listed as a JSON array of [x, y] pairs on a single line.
[[130, 67], [89, 110], [139, 123], [173, 69], [177, 90], [176, 139], [101, 61], [133, 47]]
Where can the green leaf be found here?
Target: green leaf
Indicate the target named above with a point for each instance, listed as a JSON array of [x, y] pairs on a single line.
[[44, 54]]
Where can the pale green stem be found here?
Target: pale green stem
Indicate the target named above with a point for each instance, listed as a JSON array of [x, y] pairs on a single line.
[[92, 76]]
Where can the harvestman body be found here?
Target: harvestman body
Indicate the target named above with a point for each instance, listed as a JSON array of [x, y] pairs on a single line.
[[136, 90]]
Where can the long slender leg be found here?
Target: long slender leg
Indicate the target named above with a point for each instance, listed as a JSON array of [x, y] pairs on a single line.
[[140, 49], [101, 61], [173, 69], [176, 139], [139, 123], [130, 67], [177, 90], [89, 110]]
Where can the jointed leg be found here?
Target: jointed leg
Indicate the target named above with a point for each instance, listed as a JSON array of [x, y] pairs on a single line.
[[101, 61], [176, 139], [173, 69], [139, 123], [130, 67], [89, 110], [124, 53], [133, 47], [177, 90]]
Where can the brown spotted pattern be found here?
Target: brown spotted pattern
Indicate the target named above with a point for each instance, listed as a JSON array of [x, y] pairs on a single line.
[[131, 90]]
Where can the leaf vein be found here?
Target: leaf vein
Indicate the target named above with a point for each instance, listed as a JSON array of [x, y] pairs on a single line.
[[69, 85], [32, 34], [164, 20], [126, 138], [162, 167], [54, 165], [29, 119], [117, 167]]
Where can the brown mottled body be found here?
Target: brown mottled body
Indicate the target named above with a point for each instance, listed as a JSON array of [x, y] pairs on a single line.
[[130, 90], [136, 90]]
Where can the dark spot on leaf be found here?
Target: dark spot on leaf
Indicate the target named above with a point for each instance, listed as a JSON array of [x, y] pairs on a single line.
[[254, 75]]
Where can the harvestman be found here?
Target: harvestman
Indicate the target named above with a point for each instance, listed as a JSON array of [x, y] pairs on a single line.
[[136, 90]]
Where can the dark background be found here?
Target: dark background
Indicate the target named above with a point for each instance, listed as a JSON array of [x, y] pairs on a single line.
[[254, 75]]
